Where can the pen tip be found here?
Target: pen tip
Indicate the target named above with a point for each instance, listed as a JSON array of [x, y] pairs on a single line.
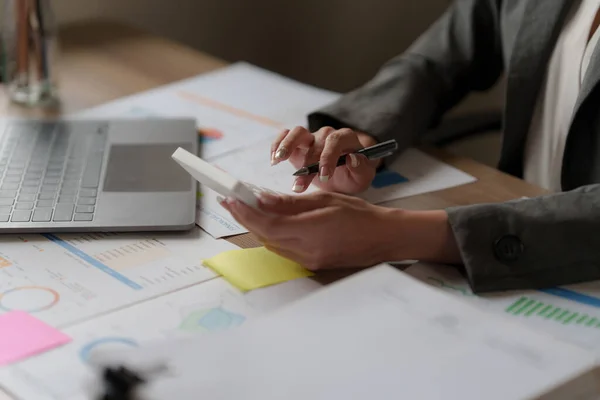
[[300, 172]]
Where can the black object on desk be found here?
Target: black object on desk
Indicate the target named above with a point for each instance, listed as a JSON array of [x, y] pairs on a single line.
[[120, 384], [375, 152]]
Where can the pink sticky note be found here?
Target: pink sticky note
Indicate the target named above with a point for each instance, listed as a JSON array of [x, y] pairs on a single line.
[[22, 336]]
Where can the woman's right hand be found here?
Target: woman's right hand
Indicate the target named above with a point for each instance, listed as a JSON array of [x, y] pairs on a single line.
[[302, 148]]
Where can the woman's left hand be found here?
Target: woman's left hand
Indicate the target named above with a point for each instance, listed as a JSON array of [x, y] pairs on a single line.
[[329, 230]]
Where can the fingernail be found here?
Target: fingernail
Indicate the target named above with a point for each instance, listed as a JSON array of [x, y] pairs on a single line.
[[231, 201], [220, 199], [324, 175], [298, 187], [273, 161], [281, 152], [354, 161]]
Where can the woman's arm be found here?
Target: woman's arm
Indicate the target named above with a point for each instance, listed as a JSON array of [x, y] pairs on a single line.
[[459, 53], [523, 244]]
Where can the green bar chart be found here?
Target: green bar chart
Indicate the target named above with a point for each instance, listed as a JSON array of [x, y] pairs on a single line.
[[531, 308]]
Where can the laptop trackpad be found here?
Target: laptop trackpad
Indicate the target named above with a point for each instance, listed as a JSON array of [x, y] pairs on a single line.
[[145, 168]]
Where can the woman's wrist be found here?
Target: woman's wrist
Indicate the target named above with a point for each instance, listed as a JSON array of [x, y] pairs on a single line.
[[419, 235]]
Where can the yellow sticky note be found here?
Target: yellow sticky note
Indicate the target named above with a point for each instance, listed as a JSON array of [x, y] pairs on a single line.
[[249, 269]]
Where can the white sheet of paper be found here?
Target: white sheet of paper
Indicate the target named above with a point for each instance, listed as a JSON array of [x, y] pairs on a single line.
[[374, 335], [413, 173], [63, 279], [571, 314], [208, 308], [236, 106]]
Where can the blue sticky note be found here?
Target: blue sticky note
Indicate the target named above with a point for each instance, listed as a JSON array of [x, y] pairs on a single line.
[[385, 178]]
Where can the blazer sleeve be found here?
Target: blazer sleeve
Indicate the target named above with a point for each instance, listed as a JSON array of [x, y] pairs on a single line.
[[533, 243], [459, 53]]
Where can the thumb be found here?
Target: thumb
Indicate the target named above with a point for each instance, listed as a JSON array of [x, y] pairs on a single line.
[[292, 205]]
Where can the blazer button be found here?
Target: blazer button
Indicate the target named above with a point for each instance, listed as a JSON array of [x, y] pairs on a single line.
[[508, 248]]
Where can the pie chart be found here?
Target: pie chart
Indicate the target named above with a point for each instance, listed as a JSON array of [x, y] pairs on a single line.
[[109, 343], [29, 298]]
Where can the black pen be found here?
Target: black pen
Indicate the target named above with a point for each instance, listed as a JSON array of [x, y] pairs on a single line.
[[372, 153]]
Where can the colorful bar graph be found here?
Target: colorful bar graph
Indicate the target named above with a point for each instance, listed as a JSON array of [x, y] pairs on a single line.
[[531, 308]]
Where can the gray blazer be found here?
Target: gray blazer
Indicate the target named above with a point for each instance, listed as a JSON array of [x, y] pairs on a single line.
[[539, 242]]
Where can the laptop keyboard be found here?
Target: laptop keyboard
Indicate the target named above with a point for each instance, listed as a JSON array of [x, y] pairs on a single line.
[[48, 173]]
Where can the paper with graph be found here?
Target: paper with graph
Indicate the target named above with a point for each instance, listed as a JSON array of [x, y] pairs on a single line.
[[211, 307], [63, 279], [378, 334], [570, 313]]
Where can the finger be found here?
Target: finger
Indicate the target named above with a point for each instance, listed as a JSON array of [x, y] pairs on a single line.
[[297, 138], [359, 165], [302, 183], [336, 144], [275, 144], [312, 156], [262, 225], [293, 205], [284, 253]]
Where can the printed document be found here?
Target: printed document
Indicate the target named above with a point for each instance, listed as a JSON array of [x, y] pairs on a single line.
[[63, 279], [211, 307], [377, 334], [570, 313]]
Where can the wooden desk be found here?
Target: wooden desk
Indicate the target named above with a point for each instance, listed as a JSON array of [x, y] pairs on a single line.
[[102, 61]]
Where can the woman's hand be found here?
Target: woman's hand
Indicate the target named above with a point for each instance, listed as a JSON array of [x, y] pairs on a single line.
[[325, 146], [329, 230]]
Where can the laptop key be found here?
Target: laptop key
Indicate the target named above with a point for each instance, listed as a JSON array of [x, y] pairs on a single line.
[[5, 209], [51, 181], [49, 188], [26, 197], [69, 199], [4, 218], [83, 217], [88, 193], [6, 202], [68, 191], [31, 183], [8, 193], [24, 206], [86, 201], [42, 215], [46, 196], [84, 209], [63, 212], [9, 186], [31, 189], [71, 184], [21, 216], [45, 203]]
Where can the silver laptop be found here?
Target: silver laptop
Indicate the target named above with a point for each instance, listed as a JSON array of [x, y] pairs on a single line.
[[113, 175]]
